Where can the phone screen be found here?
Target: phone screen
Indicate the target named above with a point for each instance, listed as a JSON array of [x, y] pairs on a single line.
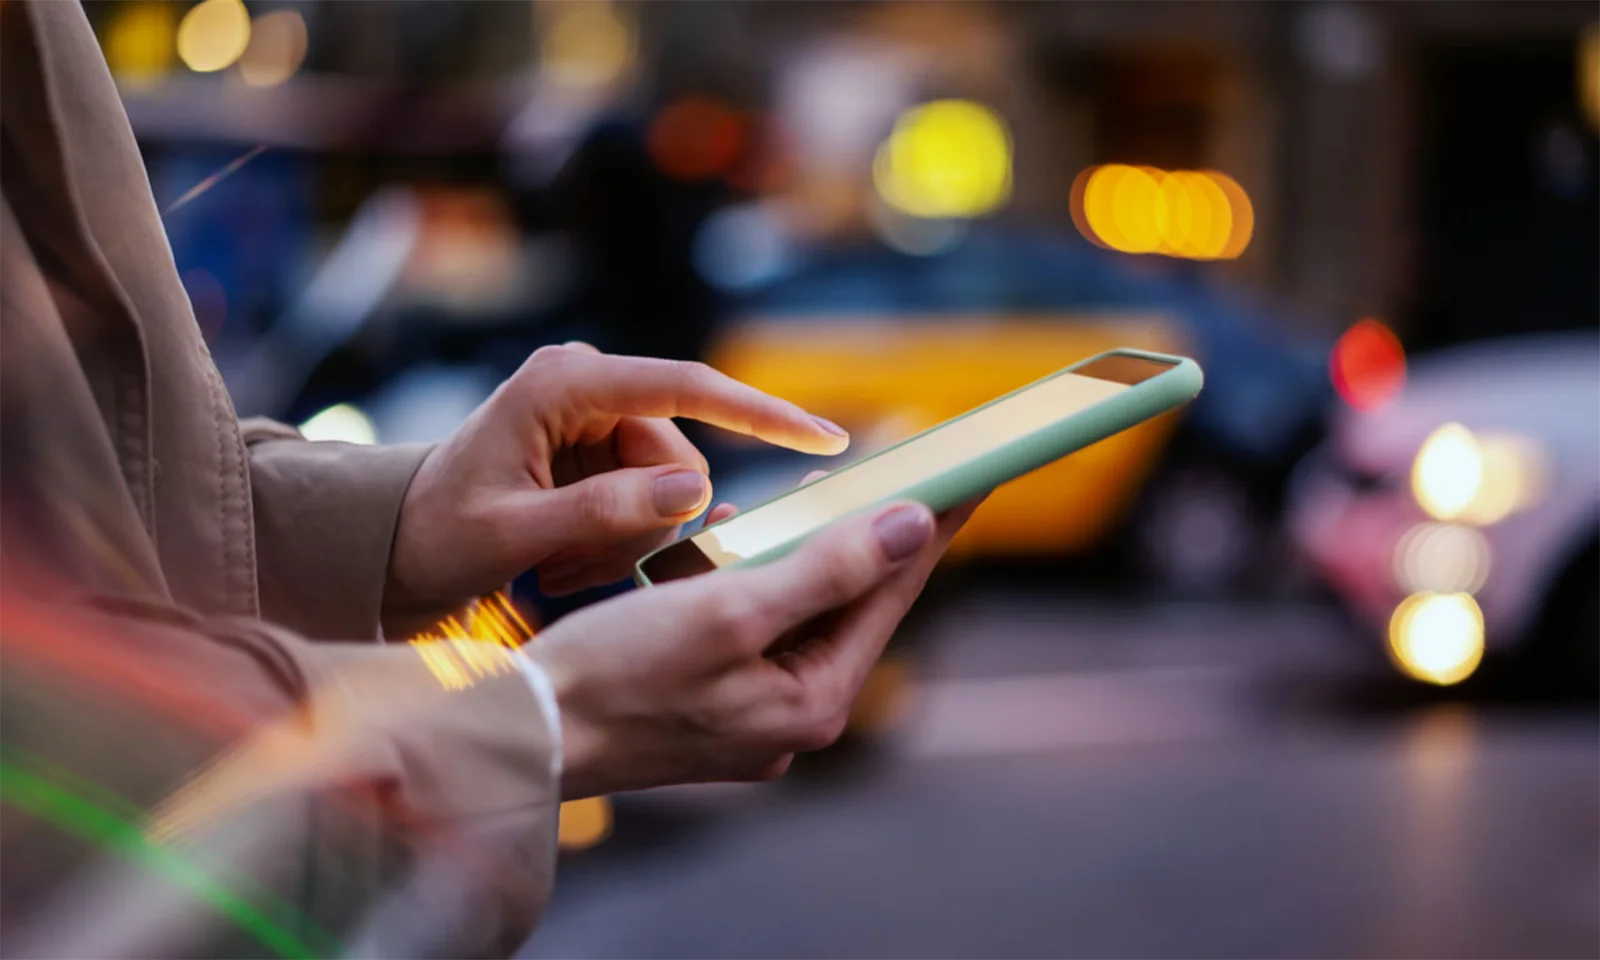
[[985, 430]]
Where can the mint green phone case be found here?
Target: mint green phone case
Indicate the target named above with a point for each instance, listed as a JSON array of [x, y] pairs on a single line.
[[1140, 402]]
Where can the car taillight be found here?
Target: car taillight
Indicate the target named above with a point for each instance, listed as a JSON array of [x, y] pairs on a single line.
[[1368, 365]]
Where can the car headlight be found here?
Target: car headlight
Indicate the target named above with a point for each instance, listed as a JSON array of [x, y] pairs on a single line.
[[1437, 637], [1480, 479], [1442, 558]]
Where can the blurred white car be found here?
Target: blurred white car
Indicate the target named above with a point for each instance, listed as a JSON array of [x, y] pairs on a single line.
[[1461, 520]]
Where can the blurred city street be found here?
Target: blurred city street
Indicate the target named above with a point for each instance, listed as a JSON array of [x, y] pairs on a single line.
[[1081, 778], [391, 340]]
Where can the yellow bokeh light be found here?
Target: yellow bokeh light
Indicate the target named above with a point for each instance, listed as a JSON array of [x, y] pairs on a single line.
[[1079, 205], [1243, 225], [277, 48], [1513, 478], [1220, 221], [213, 34], [1459, 475], [583, 823], [1200, 215], [1437, 637], [948, 159], [1448, 472], [1099, 204], [138, 45], [1134, 204], [588, 45], [1182, 215]]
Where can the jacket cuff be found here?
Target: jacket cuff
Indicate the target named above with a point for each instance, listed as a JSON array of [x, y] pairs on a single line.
[[474, 763], [325, 521]]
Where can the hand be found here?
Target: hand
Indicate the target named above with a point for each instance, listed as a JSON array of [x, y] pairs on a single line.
[[678, 683], [573, 467]]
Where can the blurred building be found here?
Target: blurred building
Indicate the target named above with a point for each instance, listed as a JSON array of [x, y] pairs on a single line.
[[1430, 164]]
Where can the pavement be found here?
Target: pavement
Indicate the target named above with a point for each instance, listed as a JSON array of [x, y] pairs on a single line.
[[1079, 776]]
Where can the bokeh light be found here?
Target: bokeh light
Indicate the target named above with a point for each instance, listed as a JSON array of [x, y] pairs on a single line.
[[1193, 214], [139, 46], [588, 45], [1459, 475], [1514, 474], [213, 34], [1186, 216], [1437, 638], [1099, 223], [276, 50], [742, 247], [1134, 203], [1242, 227], [1441, 558], [945, 160], [696, 138], [583, 823], [1589, 73], [343, 422], [916, 236], [1447, 472], [1367, 365]]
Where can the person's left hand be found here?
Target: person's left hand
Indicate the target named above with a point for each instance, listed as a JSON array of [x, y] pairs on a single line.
[[573, 467]]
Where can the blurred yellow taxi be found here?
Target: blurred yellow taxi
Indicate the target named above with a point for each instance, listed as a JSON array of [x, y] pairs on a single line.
[[886, 378]]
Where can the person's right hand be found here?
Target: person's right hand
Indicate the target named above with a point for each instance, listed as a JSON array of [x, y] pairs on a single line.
[[675, 684]]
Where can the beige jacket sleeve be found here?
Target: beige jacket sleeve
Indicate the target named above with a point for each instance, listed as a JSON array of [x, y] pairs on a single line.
[[325, 521], [398, 801]]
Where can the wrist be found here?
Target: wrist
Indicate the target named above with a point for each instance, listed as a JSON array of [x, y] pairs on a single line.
[[407, 580], [580, 742]]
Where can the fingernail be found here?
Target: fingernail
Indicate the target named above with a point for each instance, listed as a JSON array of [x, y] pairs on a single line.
[[903, 531], [678, 492], [830, 426]]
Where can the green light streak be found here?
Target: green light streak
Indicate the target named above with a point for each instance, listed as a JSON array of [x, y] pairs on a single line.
[[73, 814]]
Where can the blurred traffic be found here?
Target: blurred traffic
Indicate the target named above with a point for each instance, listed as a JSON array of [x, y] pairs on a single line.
[[1373, 225], [1459, 519]]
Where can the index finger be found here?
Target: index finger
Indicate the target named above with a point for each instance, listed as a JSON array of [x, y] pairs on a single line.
[[648, 387]]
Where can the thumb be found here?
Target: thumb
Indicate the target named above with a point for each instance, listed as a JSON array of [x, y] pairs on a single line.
[[622, 503], [838, 565]]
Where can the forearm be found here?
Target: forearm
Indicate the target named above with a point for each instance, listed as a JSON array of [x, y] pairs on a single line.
[[326, 519]]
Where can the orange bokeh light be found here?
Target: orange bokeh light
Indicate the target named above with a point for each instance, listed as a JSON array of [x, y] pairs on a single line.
[[1197, 215], [1238, 206], [1368, 365], [1080, 215]]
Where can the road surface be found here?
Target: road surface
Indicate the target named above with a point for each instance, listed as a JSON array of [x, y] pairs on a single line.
[[1098, 778]]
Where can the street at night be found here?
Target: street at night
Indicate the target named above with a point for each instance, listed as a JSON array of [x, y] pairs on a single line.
[[1126, 781]]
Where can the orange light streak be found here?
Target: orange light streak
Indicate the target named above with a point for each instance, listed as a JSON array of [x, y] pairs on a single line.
[[215, 178], [90, 652], [458, 652]]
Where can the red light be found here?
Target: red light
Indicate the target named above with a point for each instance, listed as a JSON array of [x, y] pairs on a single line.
[[1368, 365], [696, 138], [767, 160]]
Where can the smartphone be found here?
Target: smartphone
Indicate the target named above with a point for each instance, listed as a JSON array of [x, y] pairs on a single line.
[[950, 463]]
